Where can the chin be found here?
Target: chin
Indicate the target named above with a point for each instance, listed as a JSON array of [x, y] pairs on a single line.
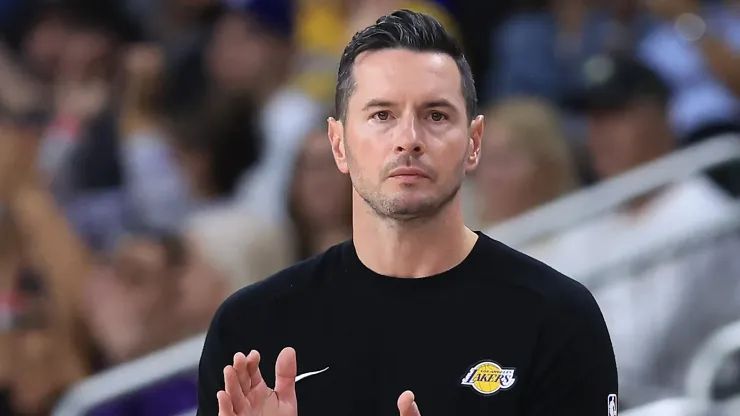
[[410, 207]]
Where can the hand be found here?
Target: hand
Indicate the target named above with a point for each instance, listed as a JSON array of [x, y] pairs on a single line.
[[144, 72], [247, 394], [407, 404], [18, 149], [672, 9], [83, 101]]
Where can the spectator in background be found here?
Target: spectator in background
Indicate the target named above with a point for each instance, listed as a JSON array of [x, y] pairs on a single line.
[[163, 288], [320, 198], [526, 160], [176, 164], [628, 126], [74, 48], [561, 40], [93, 34], [156, 191], [231, 247], [131, 296], [214, 149], [160, 288], [252, 52], [43, 43], [44, 270], [696, 49], [626, 107]]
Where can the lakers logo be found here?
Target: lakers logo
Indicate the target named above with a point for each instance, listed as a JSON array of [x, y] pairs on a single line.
[[488, 377]]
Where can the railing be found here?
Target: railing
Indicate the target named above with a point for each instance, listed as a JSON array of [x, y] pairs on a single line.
[[590, 202], [647, 252], [710, 359], [679, 406], [131, 377]]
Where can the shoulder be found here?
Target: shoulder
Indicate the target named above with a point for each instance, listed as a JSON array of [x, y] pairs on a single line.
[[299, 281], [551, 289]]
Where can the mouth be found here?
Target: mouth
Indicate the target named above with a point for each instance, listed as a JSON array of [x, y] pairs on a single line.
[[408, 173]]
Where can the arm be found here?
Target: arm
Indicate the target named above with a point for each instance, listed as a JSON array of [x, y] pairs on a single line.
[[18, 91], [53, 246], [575, 371], [153, 180], [46, 360], [722, 60]]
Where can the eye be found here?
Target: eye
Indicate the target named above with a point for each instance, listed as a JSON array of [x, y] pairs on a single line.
[[381, 115], [437, 116]]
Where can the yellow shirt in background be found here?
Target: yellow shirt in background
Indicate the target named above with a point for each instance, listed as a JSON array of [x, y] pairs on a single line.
[[322, 34]]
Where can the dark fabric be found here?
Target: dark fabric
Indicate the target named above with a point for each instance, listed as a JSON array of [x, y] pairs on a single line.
[[96, 161], [381, 335], [5, 403]]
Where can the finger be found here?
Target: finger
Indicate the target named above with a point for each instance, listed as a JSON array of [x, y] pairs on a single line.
[[407, 404], [255, 376], [234, 389], [242, 374], [224, 404], [286, 368]]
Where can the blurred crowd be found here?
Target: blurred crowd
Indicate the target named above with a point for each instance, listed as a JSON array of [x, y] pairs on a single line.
[[156, 155]]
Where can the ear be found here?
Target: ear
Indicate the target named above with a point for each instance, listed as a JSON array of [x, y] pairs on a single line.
[[336, 138], [474, 146]]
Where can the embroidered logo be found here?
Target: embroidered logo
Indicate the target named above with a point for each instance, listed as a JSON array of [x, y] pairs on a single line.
[[488, 377], [611, 403]]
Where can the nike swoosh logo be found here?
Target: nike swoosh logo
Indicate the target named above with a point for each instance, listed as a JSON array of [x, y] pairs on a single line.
[[312, 373]]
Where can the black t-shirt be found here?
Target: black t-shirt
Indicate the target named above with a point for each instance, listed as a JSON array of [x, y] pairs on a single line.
[[500, 334]]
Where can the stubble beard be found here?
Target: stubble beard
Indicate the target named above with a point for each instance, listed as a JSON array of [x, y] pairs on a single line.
[[398, 207]]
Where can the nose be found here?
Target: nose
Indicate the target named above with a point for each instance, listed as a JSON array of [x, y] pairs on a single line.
[[409, 138]]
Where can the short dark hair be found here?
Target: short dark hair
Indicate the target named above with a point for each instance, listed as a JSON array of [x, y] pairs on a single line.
[[226, 131], [403, 29]]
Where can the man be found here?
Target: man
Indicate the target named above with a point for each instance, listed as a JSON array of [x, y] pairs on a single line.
[[415, 301], [251, 52], [668, 302]]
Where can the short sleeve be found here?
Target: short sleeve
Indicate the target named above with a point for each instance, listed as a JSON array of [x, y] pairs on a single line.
[[575, 371]]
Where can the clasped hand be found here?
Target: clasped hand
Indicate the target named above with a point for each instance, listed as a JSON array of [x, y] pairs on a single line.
[[247, 394]]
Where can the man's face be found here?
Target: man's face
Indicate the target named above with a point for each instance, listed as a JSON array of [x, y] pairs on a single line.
[[242, 56], [406, 141], [622, 139]]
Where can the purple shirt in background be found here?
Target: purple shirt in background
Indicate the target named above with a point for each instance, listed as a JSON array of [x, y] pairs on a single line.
[[170, 398]]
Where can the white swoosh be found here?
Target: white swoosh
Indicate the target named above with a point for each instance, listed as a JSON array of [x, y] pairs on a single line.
[[312, 373]]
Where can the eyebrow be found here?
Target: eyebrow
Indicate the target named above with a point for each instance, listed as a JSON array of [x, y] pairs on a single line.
[[374, 103], [442, 102]]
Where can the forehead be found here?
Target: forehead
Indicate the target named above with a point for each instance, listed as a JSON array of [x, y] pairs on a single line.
[[402, 75]]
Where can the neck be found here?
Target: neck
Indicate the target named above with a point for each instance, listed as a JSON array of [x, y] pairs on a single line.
[[321, 240], [411, 248]]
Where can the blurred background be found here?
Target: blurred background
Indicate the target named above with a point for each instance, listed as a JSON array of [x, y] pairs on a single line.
[[156, 155]]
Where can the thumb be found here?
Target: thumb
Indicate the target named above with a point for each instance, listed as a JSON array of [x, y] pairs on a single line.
[[407, 404], [285, 373]]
